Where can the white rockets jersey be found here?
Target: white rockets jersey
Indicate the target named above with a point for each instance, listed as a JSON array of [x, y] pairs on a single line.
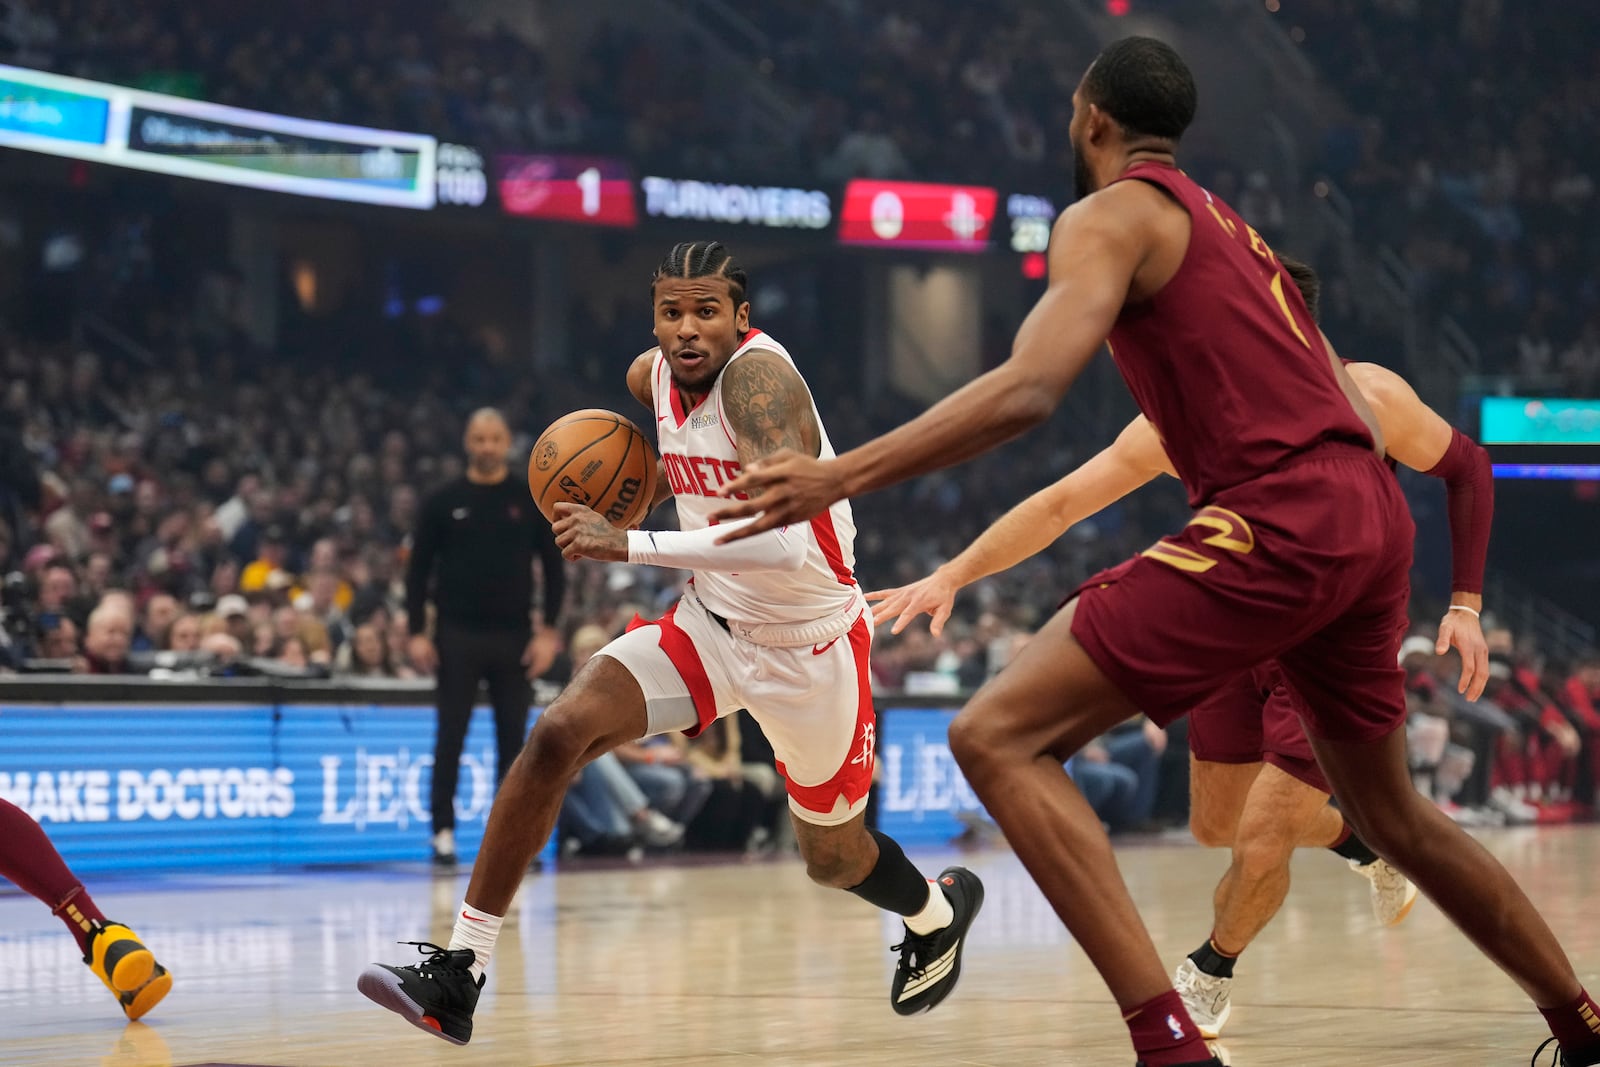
[[698, 454]]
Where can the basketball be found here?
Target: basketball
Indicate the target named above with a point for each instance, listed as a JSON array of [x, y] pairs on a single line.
[[596, 458]]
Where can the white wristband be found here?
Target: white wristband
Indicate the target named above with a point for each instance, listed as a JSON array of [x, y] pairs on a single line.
[[1470, 611]]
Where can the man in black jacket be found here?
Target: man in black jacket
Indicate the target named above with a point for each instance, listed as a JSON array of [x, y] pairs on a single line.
[[474, 544]]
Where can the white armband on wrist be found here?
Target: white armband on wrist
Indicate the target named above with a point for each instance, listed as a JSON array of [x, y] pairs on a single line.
[[697, 550]]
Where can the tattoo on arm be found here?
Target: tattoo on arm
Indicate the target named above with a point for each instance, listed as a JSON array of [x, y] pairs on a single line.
[[769, 407]]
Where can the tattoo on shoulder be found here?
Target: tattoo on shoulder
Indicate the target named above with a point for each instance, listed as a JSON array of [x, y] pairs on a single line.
[[769, 407]]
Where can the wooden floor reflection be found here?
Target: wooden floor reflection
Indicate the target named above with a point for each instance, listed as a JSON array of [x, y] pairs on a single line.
[[749, 964]]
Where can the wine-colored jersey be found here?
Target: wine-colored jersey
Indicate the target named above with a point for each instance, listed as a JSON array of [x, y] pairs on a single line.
[[1225, 359]]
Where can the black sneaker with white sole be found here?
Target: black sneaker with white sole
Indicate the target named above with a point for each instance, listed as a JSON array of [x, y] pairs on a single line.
[[437, 995], [930, 963]]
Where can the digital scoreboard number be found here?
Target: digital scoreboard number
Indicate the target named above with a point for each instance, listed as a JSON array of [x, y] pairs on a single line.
[[1031, 218], [596, 190]]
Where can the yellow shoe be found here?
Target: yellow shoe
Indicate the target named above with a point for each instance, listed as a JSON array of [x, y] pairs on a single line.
[[119, 959], [147, 996]]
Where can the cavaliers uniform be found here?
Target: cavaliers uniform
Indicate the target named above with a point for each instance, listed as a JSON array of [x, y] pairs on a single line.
[[1255, 717], [1300, 546], [790, 647]]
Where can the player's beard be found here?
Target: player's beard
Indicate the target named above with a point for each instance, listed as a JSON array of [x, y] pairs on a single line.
[[698, 382], [486, 466], [1082, 180]]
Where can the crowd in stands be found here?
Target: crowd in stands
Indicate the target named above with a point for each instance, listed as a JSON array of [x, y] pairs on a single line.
[[960, 92], [260, 523], [1469, 149], [1528, 751]]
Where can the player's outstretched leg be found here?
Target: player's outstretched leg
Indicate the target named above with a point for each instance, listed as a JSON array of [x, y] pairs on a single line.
[[937, 912], [1011, 741], [1275, 814], [1374, 788], [602, 708], [112, 951]]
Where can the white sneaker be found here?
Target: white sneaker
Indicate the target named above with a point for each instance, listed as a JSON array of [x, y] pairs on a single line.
[[1206, 997], [1476, 817], [658, 831], [444, 848], [1392, 892], [1517, 811]]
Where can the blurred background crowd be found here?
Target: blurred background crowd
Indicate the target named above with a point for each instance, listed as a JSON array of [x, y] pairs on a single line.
[[177, 495]]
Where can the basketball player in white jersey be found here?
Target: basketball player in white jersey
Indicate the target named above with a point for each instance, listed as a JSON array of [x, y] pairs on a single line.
[[774, 624]]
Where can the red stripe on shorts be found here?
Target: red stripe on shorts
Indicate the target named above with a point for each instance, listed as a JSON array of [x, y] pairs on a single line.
[[853, 779], [684, 656]]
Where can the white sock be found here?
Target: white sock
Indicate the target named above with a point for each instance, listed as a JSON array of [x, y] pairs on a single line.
[[477, 930], [935, 915]]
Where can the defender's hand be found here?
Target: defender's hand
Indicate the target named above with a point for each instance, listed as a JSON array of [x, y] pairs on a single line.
[[784, 488], [934, 595], [1463, 632], [582, 533]]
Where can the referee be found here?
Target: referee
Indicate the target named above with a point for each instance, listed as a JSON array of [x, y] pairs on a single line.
[[473, 552]]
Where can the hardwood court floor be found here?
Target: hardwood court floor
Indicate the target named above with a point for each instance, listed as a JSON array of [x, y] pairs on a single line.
[[749, 964]]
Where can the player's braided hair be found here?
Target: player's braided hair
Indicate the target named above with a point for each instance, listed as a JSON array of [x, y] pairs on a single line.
[[703, 259], [1145, 85]]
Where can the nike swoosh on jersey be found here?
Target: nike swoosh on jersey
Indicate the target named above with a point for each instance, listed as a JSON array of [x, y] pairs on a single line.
[[817, 650]]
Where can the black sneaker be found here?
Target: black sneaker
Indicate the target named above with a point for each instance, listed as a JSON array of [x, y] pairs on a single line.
[[930, 963], [1560, 1057], [436, 995]]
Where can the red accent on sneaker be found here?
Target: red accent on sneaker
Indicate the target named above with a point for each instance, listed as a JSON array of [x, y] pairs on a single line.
[[431, 1021]]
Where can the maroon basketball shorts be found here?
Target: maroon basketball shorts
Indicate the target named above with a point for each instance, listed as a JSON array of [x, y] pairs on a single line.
[[1308, 565], [1254, 718]]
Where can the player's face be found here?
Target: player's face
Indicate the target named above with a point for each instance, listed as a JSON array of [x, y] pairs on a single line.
[[698, 327]]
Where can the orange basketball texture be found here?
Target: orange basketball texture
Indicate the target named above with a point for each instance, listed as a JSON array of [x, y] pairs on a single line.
[[596, 458]]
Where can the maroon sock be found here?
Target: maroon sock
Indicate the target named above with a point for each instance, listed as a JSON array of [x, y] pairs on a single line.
[[29, 859], [1577, 1028], [1163, 1034]]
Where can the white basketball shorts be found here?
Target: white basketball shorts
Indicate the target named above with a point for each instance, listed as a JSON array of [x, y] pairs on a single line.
[[813, 700]]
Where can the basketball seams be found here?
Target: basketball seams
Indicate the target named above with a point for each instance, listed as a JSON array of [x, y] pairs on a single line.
[[622, 463], [599, 499], [615, 426]]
